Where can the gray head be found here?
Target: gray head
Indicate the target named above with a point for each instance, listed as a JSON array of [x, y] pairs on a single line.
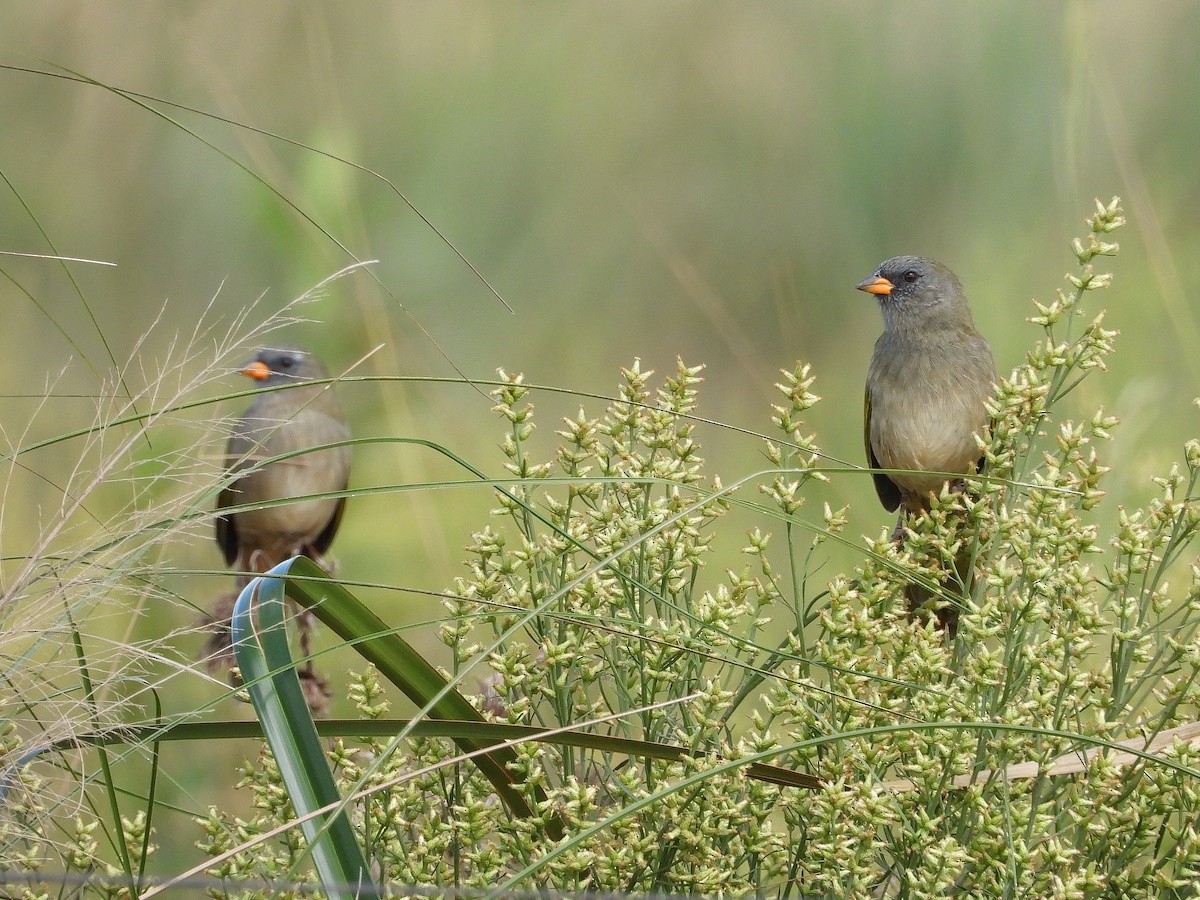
[[283, 365], [914, 287]]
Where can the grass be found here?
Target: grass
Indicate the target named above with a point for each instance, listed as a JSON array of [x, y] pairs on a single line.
[[774, 729]]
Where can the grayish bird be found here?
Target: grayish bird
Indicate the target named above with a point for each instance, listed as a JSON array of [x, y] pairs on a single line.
[[930, 377], [296, 424]]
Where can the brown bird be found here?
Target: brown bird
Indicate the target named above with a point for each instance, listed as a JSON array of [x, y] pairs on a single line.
[[296, 424], [930, 378]]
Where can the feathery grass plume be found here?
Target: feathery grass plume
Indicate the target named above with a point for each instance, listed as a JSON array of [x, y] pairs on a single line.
[[91, 607]]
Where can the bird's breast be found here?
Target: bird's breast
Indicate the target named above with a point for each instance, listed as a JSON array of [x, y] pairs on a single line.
[[926, 407], [314, 469]]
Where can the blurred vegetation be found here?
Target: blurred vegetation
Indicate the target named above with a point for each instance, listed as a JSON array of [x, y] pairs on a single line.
[[637, 180]]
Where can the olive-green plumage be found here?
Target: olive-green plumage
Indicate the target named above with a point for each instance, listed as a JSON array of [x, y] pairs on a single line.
[[930, 378], [280, 423]]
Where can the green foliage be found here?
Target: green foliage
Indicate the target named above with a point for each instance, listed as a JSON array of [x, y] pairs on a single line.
[[1044, 748], [589, 600]]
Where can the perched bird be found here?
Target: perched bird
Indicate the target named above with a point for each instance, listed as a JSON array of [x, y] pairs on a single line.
[[929, 380], [296, 424]]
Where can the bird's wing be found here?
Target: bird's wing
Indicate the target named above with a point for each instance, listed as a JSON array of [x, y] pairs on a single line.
[[227, 538], [889, 493], [985, 352], [322, 541], [236, 449]]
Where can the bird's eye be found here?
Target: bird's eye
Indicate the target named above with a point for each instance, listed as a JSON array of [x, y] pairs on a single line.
[[287, 362], [910, 276]]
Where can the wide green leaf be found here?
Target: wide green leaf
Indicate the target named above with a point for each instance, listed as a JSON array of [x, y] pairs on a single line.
[[260, 645]]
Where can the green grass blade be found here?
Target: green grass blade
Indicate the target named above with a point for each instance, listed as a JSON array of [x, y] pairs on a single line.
[[266, 665], [483, 733]]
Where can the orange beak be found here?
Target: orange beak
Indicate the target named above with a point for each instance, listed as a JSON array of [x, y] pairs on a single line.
[[259, 371], [876, 284]]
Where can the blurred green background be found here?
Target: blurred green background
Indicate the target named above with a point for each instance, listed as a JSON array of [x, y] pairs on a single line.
[[638, 180]]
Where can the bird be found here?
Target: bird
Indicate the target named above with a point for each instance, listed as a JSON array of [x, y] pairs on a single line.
[[929, 381], [298, 424]]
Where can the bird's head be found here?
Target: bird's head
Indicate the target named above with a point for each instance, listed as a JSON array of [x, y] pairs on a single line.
[[914, 287], [283, 365]]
